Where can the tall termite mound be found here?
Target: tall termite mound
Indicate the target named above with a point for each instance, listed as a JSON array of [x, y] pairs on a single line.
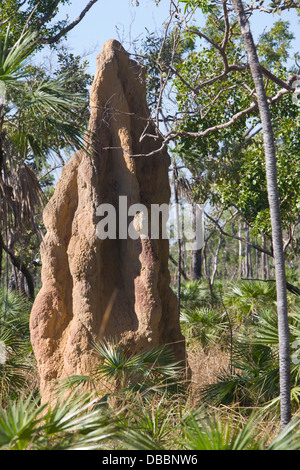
[[116, 287]]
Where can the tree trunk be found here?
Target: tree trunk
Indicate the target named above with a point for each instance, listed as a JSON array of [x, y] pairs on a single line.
[[196, 256], [271, 175], [196, 264], [240, 251], [1, 258], [248, 261], [178, 237], [265, 260], [207, 270], [256, 261]]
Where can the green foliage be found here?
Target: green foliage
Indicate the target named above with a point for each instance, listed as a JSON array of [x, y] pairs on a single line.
[[204, 325], [33, 12], [202, 318], [246, 297], [254, 376], [227, 166], [273, 47], [15, 344], [158, 54], [42, 114], [147, 372], [155, 422], [36, 104], [216, 433], [142, 371], [205, 5], [194, 294], [73, 424]]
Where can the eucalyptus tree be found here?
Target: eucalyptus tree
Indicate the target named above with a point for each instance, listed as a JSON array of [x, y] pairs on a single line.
[[272, 188], [225, 95]]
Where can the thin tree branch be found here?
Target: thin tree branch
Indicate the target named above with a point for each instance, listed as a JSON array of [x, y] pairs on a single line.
[[236, 237], [181, 268], [68, 28]]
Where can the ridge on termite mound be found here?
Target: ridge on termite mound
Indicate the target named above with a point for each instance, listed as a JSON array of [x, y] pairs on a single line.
[[80, 271]]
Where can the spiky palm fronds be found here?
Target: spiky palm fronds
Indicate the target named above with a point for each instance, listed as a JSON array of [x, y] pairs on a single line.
[[203, 324], [37, 119], [73, 424], [246, 298], [194, 294], [254, 378], [140, 369], [212, 432], [12, 59], [15, 341]]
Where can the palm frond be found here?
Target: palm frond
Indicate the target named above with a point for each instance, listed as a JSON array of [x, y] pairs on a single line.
[[74, 383], [12, 59], [247, 297], [138, 440], [202, 432], [19, 423], [288, 438]]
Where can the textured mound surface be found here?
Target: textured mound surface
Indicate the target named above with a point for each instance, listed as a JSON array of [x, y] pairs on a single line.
[[82, 275]]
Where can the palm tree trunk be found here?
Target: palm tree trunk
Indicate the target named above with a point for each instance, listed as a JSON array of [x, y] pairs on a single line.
[[271, 175]]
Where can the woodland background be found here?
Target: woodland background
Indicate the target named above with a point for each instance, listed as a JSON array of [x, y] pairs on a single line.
[[238, 297]]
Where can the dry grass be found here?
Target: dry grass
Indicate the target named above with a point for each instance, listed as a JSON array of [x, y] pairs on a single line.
[[205, 364]]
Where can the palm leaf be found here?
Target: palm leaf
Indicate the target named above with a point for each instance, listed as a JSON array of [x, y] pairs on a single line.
[[19, 423], [288, 438], [12, 59], [215, 433]]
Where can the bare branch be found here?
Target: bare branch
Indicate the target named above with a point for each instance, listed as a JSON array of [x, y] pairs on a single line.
[[236, 237], [285, 6], [48, 16], [68, 28]]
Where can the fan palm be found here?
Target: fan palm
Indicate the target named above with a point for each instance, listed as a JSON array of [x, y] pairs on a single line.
[[194, 294], [204, 432], [247, 297], [15, 341], [146, 371], [36, 115], [203, 324], [141, 370], [73, 423], [255, 375], [155, 420]]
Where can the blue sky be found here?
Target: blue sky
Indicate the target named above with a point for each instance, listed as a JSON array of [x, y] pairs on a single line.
[[119, 19], [114, 19]]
